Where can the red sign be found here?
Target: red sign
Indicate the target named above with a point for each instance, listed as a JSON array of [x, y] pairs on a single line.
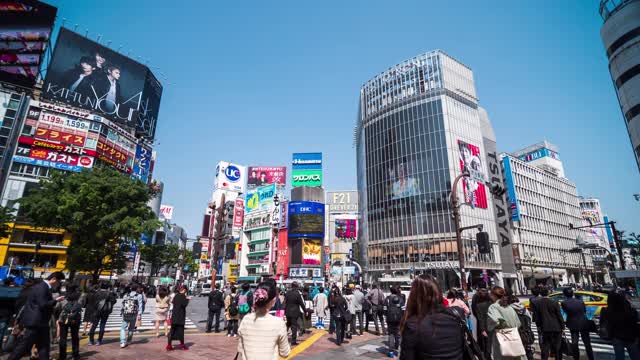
[[71, 149], [59, 136], [115, 164], [282, 262], [238, 214], [112, 152], [51, 155]]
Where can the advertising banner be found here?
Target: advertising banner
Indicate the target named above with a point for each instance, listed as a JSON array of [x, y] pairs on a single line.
[[45, 133], [511, 190], [266, 175], [46, 163], [282, 262], [58, 157], [166, 212], [257, 220], [230, 177], [64, 121], [25, 30], [306, 178], [311, 252], [85, 74], [595, 234], [342, 201], [346, 228], [306, 219], [539, 154], [71, 149], [260, 199], [307, 161], [474, 190], [284, 214], [238, 215], [142, 163]]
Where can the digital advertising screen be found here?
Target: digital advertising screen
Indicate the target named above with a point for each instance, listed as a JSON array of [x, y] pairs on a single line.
[[470, 160], [266, 175], [25, 29], [85, 74], [306, 219], [346, 228], [311, 252]]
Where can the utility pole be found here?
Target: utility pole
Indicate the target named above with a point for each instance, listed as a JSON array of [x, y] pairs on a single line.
[[218, 235]]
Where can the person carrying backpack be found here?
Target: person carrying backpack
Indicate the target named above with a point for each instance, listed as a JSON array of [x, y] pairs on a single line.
[[215, 304], [131, 306], [245, 301], [104, 299], [525, 331], [394, 303], [231, 312], [69, 321]]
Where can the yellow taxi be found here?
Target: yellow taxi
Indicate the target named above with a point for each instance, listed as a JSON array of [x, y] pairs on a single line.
[[594, 302]]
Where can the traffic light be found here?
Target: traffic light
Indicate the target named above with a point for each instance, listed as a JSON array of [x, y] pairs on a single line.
[[484, 245], [197, 249]]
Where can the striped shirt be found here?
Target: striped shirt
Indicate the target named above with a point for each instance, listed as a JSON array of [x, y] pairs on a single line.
[[263, 338]]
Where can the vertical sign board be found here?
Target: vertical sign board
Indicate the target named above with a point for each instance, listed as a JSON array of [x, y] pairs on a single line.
[[142, 163], [166, 212], [306, 169], [238, 216], [511, 189]]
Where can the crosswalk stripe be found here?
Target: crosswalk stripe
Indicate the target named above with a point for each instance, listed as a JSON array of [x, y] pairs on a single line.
[[114, 322], [597, 344]]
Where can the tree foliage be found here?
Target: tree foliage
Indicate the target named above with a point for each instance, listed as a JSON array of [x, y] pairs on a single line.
[[102, 209], [159, 255], [6, 217]]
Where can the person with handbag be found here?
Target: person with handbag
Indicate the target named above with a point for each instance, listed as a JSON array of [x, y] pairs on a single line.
[[69, 321], [178, 317], [429, 330], [577, 323], [162, 310], [394, 304], [341, 315], [503, 323], [376, 297], [550, 318], [104, 301]]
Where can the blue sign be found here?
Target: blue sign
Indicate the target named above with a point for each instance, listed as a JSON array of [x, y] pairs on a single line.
[[142, 163], [612, 243], [233, 173], [539, 154], [511, 190], [306, 219], [39, 162], [307, 161]]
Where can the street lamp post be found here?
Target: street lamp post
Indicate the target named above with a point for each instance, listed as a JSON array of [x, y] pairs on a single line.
[[616, 237]]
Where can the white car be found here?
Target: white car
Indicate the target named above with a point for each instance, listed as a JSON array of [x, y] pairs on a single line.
[[206, 290]]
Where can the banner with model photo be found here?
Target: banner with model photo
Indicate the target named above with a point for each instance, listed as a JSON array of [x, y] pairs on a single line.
[[25, 29], [475, 193], [266, 175], [85, 74]]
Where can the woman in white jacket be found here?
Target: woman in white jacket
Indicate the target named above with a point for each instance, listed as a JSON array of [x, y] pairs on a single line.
[[321, 307]]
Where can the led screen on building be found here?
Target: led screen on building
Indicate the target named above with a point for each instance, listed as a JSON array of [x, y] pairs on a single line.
[[306, 219], [346, 228], [306, 178], [266, 175], [25, 29], [85, 74], [311, 252]]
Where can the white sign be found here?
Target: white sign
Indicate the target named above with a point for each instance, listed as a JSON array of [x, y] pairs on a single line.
[[136, 263], [166, 212], [230, 177]]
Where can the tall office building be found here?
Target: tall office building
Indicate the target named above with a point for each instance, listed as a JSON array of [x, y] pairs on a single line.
[[542, 205], [620, 34], [418, 127]]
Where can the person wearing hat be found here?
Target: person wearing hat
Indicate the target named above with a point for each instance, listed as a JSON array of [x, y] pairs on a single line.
[[178, 317]]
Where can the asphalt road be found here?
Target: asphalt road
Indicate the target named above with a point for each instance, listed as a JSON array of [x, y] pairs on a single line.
[[198, 312]]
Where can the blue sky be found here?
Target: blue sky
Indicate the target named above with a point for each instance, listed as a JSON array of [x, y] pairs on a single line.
[[253, 81]]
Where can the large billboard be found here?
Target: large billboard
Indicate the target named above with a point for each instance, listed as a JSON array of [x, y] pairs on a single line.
[[260, 198], [85, 74], [306, 219], [266, 175], [346, 229], [306, 178], [311, 252], [475, 193], [306, 161], [230, 177], [595, 234], [342, 201], [25, 29]]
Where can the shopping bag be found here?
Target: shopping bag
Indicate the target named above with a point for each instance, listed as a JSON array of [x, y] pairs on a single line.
[[510, 342]]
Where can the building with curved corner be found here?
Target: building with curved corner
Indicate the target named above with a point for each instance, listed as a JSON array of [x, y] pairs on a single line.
[[621, 38], [418, 126]]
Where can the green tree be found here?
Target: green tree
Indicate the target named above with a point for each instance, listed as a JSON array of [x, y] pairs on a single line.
[[102, 209], [6, 217], [158, 255]]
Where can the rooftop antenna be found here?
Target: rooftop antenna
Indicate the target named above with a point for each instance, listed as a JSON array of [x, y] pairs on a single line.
[[64, 20], [99, 37], [108, 43], [86, 33], [75, 28]]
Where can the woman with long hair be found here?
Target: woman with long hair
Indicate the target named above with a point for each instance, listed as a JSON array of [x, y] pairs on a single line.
[[263, 336], [501, 316], [621, 321], [162, 310], [430, 330], [178, 318], [340, 309]]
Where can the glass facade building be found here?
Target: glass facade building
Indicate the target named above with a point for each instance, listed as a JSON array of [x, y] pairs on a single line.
[[418, 127], [620, 35]]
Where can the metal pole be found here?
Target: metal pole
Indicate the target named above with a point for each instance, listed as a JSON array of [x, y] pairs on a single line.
[[616, 239], [456, 221]]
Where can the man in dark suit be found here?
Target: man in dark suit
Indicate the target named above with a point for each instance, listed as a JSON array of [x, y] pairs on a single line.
[[107, 88], [80, 78], [534, 301], [577, 322], [550, 317], [215, 304], [294, 308], [36, 316]]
